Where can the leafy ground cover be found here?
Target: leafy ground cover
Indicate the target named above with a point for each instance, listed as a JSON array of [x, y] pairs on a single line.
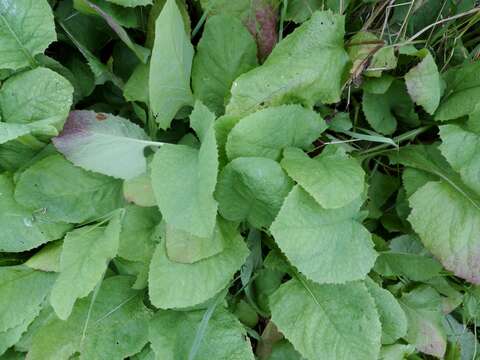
[[248, 179]]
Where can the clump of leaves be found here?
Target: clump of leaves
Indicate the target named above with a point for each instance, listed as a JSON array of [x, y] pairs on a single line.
[[249, 179]]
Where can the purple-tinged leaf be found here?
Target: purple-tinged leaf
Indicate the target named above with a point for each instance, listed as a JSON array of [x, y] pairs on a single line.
[[104, 143]]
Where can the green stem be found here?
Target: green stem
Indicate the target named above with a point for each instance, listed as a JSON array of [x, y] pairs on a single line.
[[380, 149]]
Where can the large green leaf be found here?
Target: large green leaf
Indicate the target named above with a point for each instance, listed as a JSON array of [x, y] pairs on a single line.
[[85, 256], [461, 148], [333, 178], [392, 316], [170, 66], [445, 213], [26, 29], [267, 132], [424, 84], [252, 189], [225, 51], [328, 321], [199, 281], [104, 143], [35, 95], [184, 179], [66, 192], [173, 335], [113, 325], [316, 49], [327, 245], [448, 223], [425, 329], [462, 92], [23, 228]]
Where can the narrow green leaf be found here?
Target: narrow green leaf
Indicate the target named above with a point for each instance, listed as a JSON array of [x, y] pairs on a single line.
[[184, 179], [170, 67], [85, 256]]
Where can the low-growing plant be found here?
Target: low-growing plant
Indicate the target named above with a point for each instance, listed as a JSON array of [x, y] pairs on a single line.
[[239, 179]]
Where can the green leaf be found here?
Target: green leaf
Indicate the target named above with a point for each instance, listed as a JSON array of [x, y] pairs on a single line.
[[425, 329], [300, 10], [267, 132], [12, 131], [23, 228], [48, 258], [413, 266], [333, 178], [23, 292], [445, 213], [100, 71], [35, 95], [392, 317], [172, 335], [342, 320], [66, 192], [283, 350], [316, 49], [84, 260], [461, 148], [170, 66], [136, 237], [306, 232], [201, 280], [141, 52], [184, 179], [396, 352], [139, 190], [26, 29], [184, 247], [252, 189], [381, 110], [104, 143], [424, 84], [447, 223], [112, 325], [225, 51], [136, 88], [462, 92], [378, 85]]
